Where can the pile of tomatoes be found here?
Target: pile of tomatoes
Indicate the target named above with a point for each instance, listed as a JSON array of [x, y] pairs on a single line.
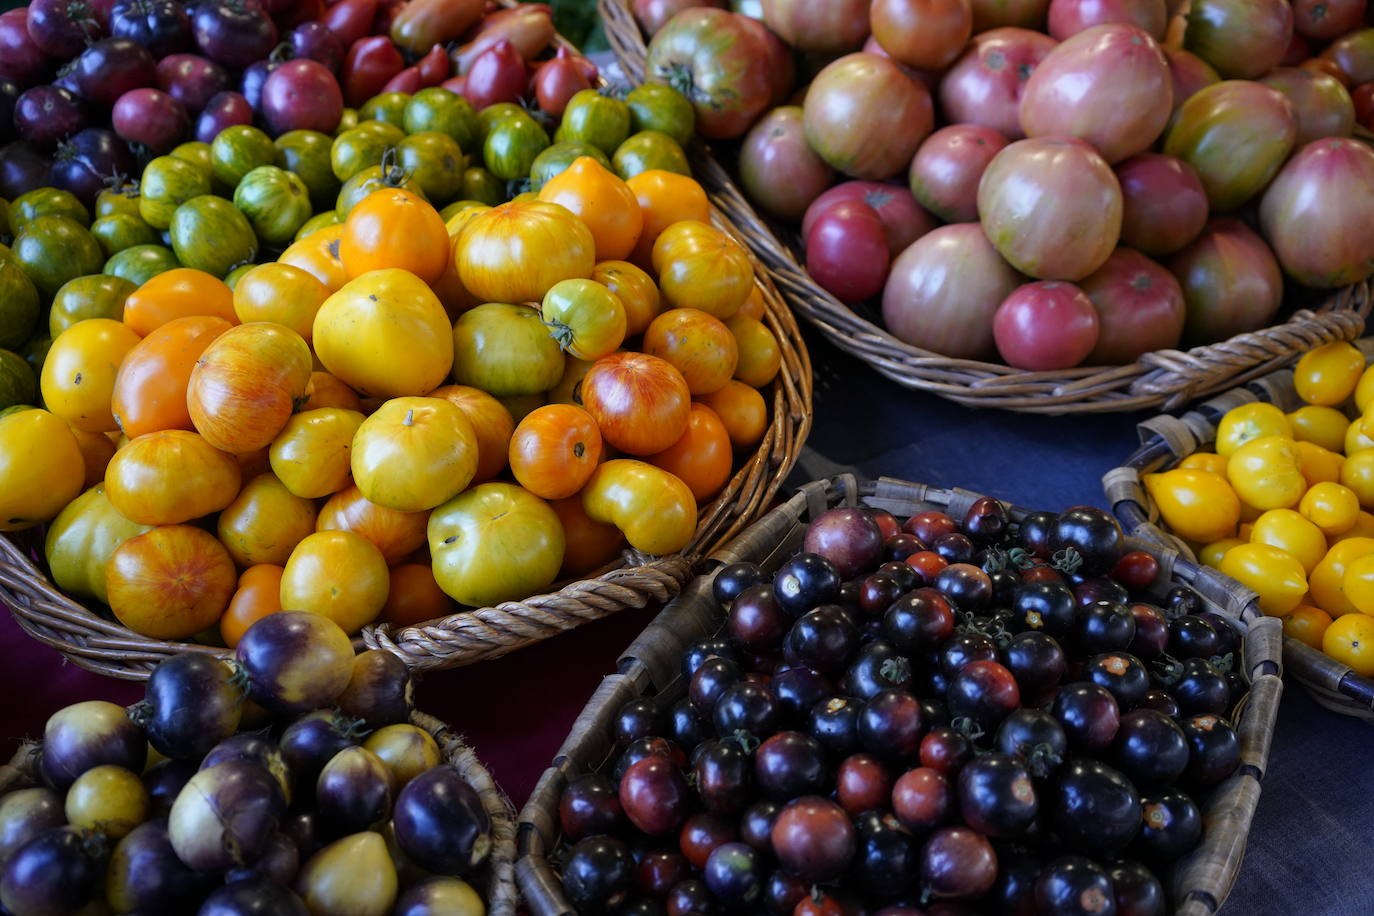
[[287, 782], [400, 414], [937, 717], [1282, 504]]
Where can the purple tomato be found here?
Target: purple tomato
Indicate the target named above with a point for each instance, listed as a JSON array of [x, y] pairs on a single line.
[[225, 109], [151, 117], [161, 26], [20, 59], [61, 28], [44, 115], [315, 41], [846, 251], [1045, 325], [1163, 205], [778, 169], [233, 32], [111, 67], [985, 84], [22, 168], [85, 164], [945, 172], [302, 95], [903, 219], [190, 79]]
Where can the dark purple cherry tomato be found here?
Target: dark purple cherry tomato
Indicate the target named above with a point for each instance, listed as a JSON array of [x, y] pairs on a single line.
[[1138, 892], [315, 40], [790, 764], [1088, 714], [1035, 736], [996, 797], [958, 862], [1103, 626], [85, 163], [1200, 688], [887, 860], [111, 67], [1075, 886], [946, 750], [724, 776], [986, 520], [590, 805], [685, 726], [711, 679], [922, 619], [654, 796], [963, 649], [1014, 892], [225, 109], [878, 667], [835, 724], [822, 638], [903, 573], [846, 536], [1035, 532], [599, 874], [734, 874], [653, 746], [1122, 674], [814, 839], [966, 585], [1151, 631], [756, 620], [900, 546], [731, 581], [660, 871], [161, 26], [702, 833], [1092, 534], [1214, 750], [1036, 660], [1170, 827], [983, 691], [1094, 807], [806, 581], [877, 592], [756, 825], [798, 689], [150, 117], [890, 724], [745, 708], [954, 547], [61, 28], [1191, 636], [233, 33], [1045, 606], [703, 649], [863, 783], [691, 898], [638, 718], [46, 115]]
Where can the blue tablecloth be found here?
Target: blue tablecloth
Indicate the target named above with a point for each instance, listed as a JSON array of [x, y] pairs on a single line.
[[1309, 848]]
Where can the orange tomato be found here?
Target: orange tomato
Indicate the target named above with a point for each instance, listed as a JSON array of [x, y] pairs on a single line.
[[327, 390], [665, 198], [150, 389], [338, 574], [171, 582], [414, 597], [516, 252], [699, 266], [246, 385], [265, 522], [753, 307], [491, 422], [396, 534], [96, 451], [311, 454], [1306, 624], [760, 358], [743, 411], [78, 377], [590, 544], [282, 293], [392, 227], [636, 290], [177, 294], [702, 457], [603, 201], [554, 450], [259, 594], [318, 255], [641, 403], [169, 477], [699, 345]]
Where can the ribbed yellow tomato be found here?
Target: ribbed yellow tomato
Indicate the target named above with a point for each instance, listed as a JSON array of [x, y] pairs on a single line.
[[265, 522], [311, 454], [1290, 531], [79, 372], [414, 453], [1331, 507], [1266, 472], [338, 574], [516, 252], [385, 334], [1250, 421], [654, 509], [169, 477], [41, 468], [1273, 574], [1196, 505]]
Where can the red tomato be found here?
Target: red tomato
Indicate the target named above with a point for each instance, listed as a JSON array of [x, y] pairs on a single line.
[[1045, 325], [847, 252], [641, 403], [370, 63]]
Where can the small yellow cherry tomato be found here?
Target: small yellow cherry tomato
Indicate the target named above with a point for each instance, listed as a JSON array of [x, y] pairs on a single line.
[[1358, 583], [1205, 461], [1350, 640], [1306, 624], [1331, 507], [1327, 581], [1355, 439], [1267, 473], [1328, 374], [1364, 390], [1319, 464], [1358, 474], [1363, 528], [1196, 505], [1292, 532], [1273, 574], [1324, 426], [1255, 420], [1211, 554]]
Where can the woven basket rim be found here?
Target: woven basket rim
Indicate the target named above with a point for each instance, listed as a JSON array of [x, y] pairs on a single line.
[[651, 664], [1165, 379], [1166, 440]]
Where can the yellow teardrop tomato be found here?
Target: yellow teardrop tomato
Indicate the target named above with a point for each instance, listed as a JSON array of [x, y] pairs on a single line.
[[1358, 584], [281, 293], [1250, 421], [265, 522], [1205, 461], [82, 538], [1211, 554], [654, 509], [1327, 581], [79, 373], [169, 477], [495, 542], [1331, 507], [634, 288], [338, 574], [1328, 374], [311, 454], [1196, 505], [1306, 624], [586, 318], [665, 198], [1355, 438], [1290, 531], [1324, 426], [385, 334], [1363, 528], [1318, 464], [701, 267], [1273, 574], [603, 201], [1358, 474], [414, 453], [1350, 641], [516, 252], [1267, 472]]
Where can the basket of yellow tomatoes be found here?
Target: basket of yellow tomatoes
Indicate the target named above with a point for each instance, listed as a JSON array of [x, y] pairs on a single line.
[[1272, 485], [452, 438]]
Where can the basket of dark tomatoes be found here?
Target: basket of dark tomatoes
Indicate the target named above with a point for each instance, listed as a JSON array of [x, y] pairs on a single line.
[[1299, 540], [887, 698], [298, 780]]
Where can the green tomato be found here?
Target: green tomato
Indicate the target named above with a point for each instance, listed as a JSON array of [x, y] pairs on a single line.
[[19, 378], [30, 205], [435, 161], [362, 147], [317, 222], [238, 150], [197, 153], [481, 185], [6, 232], [19, 305], [122, 230], [505, 350], [53, 250], [91, 296], [276, 203], [141, 263], [232, 280], [650, 149], [81, 541], [596, 119], [494, 542], [389, 108], [436, 108], [512, 146], [210, 234], [307, 153], [347, 121], [168, 182], [492, 115], [558, 157], [113, 201], [654, 106]]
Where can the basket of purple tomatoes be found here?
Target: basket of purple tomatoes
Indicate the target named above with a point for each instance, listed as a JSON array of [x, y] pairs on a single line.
[[888, 699]]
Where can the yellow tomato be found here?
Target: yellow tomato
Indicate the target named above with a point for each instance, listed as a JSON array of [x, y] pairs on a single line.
[[281, 293], [1196, 505], [1358, 583], [1267, 472], [414, 453], [760, 358], [311, 454], [636, 290], [385, 334], [1350, 641], [1327, 581], [1306, 624], [1364, 390], [1211, 554], [1328, 374], [1331, 507], [1358, 474], [338, 574], [1319, 464], [1324, 426], [1355, 439], [1292, 532], [41, 468], [1205, 461], [654, 509], [701, 267], [1255, 420], [1273, 574], [169, 477], [79, 372], [516, 252], [265, 522], [96, 451], [1363, 528]]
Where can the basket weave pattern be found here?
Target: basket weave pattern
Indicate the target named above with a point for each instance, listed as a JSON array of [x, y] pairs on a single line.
[[1165, 379], [650, 666]]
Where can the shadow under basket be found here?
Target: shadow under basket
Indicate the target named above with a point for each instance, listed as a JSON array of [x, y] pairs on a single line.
[[1166, 440], [1163, 379], [496, 882], [1199, 883]]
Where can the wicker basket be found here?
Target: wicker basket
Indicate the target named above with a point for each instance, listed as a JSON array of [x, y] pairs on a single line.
[[497, 881], [1165, 379], [651, 666], [1165, 440], [99, 644]]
